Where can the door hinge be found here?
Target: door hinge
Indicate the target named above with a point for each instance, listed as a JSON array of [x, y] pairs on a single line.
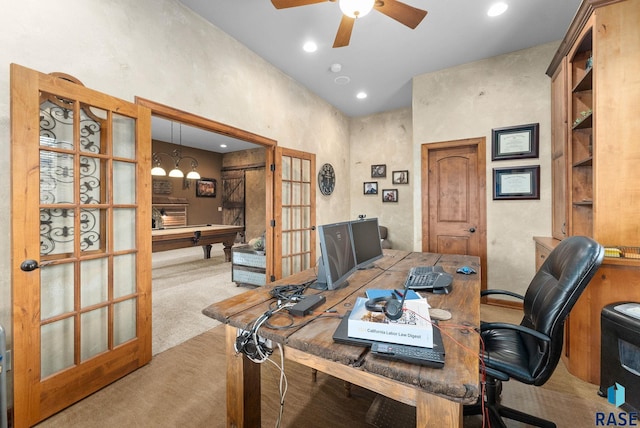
[[273, 223], [272, 167], [273, 278]]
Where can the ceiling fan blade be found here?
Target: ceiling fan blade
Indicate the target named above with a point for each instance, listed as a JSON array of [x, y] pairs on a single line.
[[401, 12], [284, 4], [344, 32]]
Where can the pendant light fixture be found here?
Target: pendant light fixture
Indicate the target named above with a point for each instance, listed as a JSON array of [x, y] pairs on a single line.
[[175, 156]]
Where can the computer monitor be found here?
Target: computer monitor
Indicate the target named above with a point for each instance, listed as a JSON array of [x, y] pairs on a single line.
[[338, 260], [366, 242]]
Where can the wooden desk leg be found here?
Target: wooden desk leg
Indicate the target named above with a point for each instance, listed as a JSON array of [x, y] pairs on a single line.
[[243, 387], [434, 411]]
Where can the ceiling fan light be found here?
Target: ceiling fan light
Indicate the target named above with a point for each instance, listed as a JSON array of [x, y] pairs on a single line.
[[356, 8]]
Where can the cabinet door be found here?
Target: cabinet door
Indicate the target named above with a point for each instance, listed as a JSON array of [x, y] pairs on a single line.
[[558, 151]]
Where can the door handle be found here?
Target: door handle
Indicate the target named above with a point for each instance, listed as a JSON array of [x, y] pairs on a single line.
[[29, 265], [472, 230]]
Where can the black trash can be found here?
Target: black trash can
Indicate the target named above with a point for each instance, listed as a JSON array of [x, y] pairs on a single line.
[[620, 351]]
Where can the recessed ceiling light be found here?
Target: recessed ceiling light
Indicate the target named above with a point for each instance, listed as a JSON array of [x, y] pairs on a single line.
[[310, 47], [497, 9], [342, 80], [223, 146], [361, 95]]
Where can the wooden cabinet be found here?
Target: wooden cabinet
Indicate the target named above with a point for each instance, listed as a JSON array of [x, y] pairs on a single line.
[[559, 221], [544, 246], [596, 151]]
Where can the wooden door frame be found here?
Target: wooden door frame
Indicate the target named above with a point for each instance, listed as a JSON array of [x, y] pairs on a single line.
[[269, 144], [480, 144]]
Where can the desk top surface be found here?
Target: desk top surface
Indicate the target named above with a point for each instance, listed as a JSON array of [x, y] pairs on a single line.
[[457, 381]]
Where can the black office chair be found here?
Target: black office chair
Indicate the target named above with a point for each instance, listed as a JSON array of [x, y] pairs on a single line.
[[529, 352]]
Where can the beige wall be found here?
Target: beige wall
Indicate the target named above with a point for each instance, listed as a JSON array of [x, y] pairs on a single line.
[[201, 210], [384, 138], [160, 50], [468, 101]]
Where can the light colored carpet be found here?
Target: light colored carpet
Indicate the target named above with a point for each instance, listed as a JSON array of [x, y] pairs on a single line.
[[184, 283]]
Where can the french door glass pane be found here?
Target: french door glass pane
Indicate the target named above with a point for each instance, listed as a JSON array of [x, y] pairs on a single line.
[[286, 168], [124, 136], [91, 182], [296, 242], [124, 275], [91, 224], [286, 267], [56, 346], [124, 321], [124, 173], [124, 228], [94, 281], [56, 178], [91, 135], [296, 173], [296, 197], [56, 231], [306, 170], [94, 332], [57, 292], [286, 218], [297, 218], [56, 122], [285, 243]]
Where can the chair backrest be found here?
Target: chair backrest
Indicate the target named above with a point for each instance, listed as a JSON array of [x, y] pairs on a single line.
[[551, 295]]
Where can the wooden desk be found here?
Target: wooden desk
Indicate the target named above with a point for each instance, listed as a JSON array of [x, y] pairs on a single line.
[[438, 394], [206, 235]]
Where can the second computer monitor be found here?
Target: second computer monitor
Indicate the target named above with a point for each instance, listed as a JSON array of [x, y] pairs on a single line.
[[366, 241]]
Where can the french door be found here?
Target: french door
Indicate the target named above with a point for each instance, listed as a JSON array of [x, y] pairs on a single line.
[[81, 247], [295, 211]]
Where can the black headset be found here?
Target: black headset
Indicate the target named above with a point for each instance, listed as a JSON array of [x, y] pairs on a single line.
[[247, 344], [390, 306]]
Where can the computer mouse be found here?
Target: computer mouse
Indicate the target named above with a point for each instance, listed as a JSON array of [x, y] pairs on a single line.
[[466, 270]]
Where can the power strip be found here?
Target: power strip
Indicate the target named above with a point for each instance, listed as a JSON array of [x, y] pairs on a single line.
[[306, 305]]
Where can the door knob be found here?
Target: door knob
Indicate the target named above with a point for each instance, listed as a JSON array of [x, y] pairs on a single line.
[[473, 229], [29, 265]]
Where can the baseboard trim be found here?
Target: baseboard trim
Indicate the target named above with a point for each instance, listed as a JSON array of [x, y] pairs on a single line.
[[503, 303]]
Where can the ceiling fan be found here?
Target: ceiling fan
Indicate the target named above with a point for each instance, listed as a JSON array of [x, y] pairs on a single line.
[[353, 9]]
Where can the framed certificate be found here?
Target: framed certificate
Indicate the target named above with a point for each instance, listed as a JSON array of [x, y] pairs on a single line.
[[515, 142], [516, 183]]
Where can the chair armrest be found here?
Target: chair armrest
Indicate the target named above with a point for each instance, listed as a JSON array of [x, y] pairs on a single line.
[[506, 292], [517, 327]]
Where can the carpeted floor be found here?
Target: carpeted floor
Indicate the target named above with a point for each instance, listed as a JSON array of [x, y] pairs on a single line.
[[184, 386], [184, 283]]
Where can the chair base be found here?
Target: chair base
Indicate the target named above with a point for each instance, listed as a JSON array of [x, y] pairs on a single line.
[[496, 411]]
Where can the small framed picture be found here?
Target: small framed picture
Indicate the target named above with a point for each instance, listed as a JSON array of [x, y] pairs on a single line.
[[389, 195], [516, 183], [370, 188], [400, 177], [515, 142], [378, 171], [206, 188]]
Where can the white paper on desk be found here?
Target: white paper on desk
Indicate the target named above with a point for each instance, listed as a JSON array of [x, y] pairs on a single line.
[[413, 328]]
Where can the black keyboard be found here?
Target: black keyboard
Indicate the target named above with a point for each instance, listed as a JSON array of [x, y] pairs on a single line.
[[412, 354], [427, 278]]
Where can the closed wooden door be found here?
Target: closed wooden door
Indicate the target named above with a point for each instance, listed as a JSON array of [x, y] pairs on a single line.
[[453, 195], [295, 211], [81, 247]]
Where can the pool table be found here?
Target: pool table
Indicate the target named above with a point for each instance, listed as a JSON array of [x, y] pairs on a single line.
[[206, 235]]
